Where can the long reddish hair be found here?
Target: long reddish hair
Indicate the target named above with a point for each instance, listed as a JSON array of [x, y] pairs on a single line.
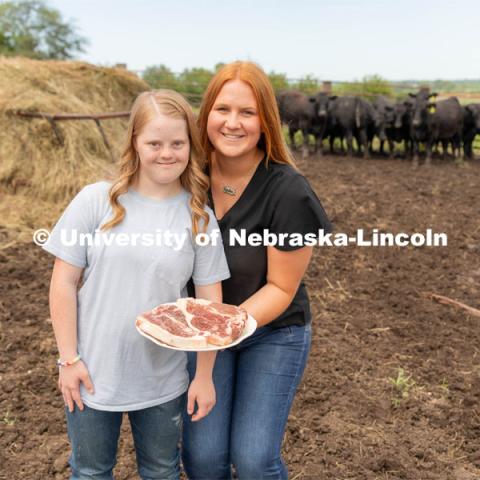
[[146, 106], [272, 140]]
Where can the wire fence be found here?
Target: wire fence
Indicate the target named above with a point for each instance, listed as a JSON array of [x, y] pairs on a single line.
[[192, 83], [195, 97]]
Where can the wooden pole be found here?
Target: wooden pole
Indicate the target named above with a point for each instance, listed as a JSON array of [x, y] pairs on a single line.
[[448, 301], [52, 119], [73, 116]]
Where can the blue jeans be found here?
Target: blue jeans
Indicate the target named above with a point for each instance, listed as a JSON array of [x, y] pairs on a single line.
[[94, 438], [255, 383]]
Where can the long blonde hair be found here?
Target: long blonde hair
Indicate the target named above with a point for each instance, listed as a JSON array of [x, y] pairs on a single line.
[[272, 140], [146, 106]]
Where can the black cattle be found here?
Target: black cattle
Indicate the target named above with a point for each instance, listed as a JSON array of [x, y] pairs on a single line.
[[384, 117], [400, 131], [334, 127], [365, 116], [342, 120], [351, 117], [471, 127], [322, 123], [435, 121], [297, 112]]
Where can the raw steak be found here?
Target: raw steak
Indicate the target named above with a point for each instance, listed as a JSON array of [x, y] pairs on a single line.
[[192, 323]]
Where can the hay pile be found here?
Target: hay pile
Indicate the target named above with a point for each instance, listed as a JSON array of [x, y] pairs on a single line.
[[32, 162]]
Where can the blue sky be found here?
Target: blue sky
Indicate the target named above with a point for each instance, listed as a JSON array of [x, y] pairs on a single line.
[[332, 40]]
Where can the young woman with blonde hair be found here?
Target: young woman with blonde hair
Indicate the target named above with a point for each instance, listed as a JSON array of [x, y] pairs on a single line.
[[255, 186], [106, 367]]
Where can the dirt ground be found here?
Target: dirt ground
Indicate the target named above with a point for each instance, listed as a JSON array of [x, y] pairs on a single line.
[[392, 388]]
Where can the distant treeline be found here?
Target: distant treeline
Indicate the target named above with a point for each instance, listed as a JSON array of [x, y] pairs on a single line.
[[464, 86], [193, 81]]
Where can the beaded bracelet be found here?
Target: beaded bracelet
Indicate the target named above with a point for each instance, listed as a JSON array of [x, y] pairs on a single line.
[[68, 362]]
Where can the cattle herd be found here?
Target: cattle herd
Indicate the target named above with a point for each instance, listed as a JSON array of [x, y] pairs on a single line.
[[416, 120]]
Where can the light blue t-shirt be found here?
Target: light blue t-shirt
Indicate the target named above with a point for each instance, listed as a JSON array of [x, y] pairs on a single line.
[[125, 277]]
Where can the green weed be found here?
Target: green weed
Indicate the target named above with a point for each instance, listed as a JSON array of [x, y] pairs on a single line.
[[445, 387], [401, 385], [7, 420]]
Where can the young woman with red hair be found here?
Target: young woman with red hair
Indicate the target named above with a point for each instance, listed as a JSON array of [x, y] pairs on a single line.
[[98, 288], [255, 186]]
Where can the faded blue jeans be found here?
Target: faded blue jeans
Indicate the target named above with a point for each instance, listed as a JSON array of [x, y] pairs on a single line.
[[255, 383], [156, 430]]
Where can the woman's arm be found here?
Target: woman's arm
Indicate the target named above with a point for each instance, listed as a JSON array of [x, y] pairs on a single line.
[[202, 390], [284, 273], [63, 311]]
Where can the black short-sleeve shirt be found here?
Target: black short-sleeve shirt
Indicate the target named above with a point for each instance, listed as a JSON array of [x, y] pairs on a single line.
[[278, 199]]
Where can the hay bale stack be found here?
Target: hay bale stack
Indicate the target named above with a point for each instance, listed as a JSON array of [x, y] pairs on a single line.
[[32, 162]]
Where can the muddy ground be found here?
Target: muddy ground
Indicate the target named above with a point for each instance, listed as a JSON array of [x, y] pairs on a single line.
[[392, 388]]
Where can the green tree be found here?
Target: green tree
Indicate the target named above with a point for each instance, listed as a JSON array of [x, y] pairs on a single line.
[[278, 80], [369, 87], [32, 29], [376, 85], [160, 76], [194, 81], [308, 84]]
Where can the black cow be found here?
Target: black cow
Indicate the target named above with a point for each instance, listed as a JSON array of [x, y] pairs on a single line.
[[297, 112], [364, 125], [384, 117], [400, 132], [351, 117], [342, 118], [471, 127], [435, 121], [322, 122]]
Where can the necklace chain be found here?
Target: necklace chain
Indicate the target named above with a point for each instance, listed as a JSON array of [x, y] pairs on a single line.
[[228, 189]]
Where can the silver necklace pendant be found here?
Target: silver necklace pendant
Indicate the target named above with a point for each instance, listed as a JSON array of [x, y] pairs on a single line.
[[229, 190]]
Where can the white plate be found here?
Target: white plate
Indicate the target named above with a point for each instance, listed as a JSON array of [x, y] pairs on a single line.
[[250, 327]]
